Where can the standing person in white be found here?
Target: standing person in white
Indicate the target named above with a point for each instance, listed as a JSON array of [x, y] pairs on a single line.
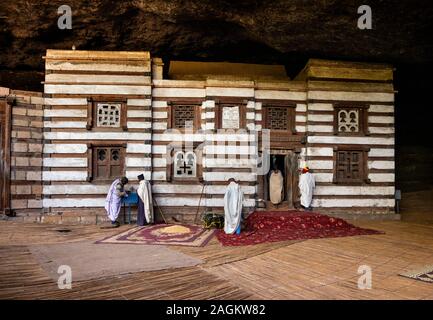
[[306, 186], [232, 207], [276, 181]]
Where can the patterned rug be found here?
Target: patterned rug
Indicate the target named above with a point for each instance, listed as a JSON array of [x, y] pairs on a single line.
[[163, 234], [424, 274], [276, 226]]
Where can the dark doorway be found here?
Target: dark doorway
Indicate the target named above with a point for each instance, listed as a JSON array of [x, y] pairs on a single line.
[[278, 163], [287, 163]]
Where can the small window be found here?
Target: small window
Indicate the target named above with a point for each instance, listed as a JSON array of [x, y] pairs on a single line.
[[184, 116], [108, 115], [279, 118], [350, 166], [230, 116], [185, 164], [350, 120], [108, 162]]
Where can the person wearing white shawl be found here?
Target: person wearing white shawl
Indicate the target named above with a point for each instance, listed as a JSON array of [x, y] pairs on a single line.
[[306, 186], [276, 182], [232, 207], [145, 203]]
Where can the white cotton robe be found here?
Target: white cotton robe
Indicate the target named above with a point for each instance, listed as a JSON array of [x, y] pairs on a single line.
[[144, 191], [276, 187], [232, 207], [306, 186]]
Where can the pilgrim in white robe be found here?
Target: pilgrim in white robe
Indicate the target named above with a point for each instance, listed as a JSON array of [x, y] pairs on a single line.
[[113, 202], [232, 207], [276, 187], [306, 186], [144, 193]]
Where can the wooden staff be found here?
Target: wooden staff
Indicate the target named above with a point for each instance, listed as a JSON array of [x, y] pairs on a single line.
[[160, 211], [198, 208]]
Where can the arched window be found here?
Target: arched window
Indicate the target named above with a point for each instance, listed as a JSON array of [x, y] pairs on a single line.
[[185, 164]]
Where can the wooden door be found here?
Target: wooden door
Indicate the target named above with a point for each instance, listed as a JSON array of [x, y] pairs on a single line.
[[292, 178]]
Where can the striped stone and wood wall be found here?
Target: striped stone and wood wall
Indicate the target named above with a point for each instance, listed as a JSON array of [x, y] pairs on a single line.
[[74, 79], [53, 135]]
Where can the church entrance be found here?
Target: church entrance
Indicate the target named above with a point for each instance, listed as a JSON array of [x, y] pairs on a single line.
[[283, 175]]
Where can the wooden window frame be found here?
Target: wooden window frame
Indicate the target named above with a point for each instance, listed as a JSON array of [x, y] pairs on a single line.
[[197, 114], [364, 166], [91, 159], [220, 104], [171, 150], [363, 118], [92, 113], [291, 117]]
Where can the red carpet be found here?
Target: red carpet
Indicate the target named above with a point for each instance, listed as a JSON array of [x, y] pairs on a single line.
[[276, 226]]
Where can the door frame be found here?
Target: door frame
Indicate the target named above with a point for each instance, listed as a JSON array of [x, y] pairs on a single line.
[[5, 156], [293, 198]]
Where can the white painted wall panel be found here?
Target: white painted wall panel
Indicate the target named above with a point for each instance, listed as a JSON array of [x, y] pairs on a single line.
[[66, 101], [348, 203], [96, 89], [230, 92], [65, 148], [351, 140], [321, 117], [139, 114], [96, 78], [65, 162], [139, 102], [64, 175], [224, 176], [353, 190], [351, 96], [138, 162], [381, 152], [96, 136], [111, 67], [320, 107], [65, 124], [381, 177], [381, 108], [376, 164], [179, 92], [65, 113], [277, 94], [139, 125]]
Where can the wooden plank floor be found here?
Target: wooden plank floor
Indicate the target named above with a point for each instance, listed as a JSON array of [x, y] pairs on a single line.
[[328, 268], [312, 269]]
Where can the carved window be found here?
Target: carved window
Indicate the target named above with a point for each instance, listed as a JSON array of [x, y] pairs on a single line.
[[279, 118], [350, 120], [185, 164], [108, 115], [350, 165], [230, 116], [107, 162], [184, 116]]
